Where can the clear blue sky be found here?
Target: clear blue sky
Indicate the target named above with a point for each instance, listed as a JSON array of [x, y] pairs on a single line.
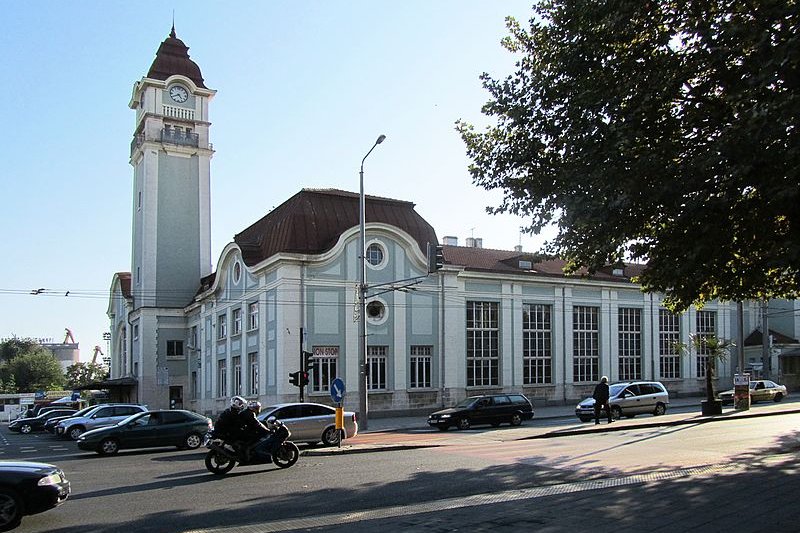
[[304, 89]]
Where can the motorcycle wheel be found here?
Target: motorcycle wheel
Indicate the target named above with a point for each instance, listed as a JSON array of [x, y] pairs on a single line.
[[216, 463], [287, 455]]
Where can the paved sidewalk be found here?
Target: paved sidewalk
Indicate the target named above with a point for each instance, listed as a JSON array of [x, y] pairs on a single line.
[[413, 432]]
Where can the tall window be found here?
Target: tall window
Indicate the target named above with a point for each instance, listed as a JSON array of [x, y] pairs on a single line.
[[222, 379], [174, 348], [585, 344], [252, 316], [193, 338], [420, 371], [325, 371], [536, 344], [630, 343], [253, 376], [222, 326], [483, 348], [669, 333], [376, 367], [237, 321], [706, 327], [236, 363]]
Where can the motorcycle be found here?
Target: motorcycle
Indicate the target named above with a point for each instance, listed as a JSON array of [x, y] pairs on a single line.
[[223, 456]]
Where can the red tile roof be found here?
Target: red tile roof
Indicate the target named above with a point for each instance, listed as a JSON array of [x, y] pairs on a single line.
[[311, 222], [508, 262]]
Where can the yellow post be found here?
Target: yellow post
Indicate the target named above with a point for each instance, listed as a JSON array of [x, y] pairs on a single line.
[[340, 423]]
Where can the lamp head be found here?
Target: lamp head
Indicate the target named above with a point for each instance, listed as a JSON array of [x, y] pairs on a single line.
[[380, 139]]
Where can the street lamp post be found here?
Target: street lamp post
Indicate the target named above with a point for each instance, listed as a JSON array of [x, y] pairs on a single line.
[[363, 420]]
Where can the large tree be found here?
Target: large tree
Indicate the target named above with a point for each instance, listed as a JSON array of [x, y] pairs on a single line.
[[34, 370], [662, 132], [80, 374]]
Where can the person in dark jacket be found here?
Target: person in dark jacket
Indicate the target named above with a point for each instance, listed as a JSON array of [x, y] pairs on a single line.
[[252, 427], [600, 396], [229, 426]]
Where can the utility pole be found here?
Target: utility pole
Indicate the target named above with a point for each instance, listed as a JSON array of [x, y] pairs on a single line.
[[765, 352]]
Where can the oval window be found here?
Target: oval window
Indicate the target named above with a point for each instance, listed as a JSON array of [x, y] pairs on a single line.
[[375, 254], [237, 272]]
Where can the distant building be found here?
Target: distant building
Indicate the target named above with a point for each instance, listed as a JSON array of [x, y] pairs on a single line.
[[489, 320], [67, 353]]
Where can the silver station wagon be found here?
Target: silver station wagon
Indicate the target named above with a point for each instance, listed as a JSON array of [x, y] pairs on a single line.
[[629, 399]]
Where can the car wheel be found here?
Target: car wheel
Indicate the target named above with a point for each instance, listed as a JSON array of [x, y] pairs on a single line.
[[331, 436], [11, 509], [25, 428], [75, 431], [516, 419], [778, 397], [584, 418], [192, 441], [660, 409], [616, 413], [463, 423], [108, 447]]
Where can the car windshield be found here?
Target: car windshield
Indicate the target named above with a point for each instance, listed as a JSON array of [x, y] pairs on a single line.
[[466, 402], [615, 389]]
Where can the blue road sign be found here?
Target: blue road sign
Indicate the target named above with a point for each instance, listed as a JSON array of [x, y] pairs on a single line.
[[337, 390]]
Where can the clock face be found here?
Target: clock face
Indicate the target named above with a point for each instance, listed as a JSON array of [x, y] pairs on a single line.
[[178, 93]]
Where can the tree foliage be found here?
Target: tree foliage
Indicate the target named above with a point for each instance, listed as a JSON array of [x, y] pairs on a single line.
[[10, 348], [659, 132], [80, 374], [35, 370]]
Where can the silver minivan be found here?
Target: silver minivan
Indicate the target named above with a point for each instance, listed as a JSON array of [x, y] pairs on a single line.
[[629, 399]]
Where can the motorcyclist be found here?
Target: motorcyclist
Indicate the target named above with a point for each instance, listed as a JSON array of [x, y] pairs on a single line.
[[252, 427], [228, 426]]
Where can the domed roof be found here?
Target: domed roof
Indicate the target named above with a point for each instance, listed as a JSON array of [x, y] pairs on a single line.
[[172, 58]]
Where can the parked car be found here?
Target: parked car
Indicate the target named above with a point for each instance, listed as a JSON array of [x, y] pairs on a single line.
[[760, 390], [101, 416], [28, 488], [311, 422], [150, 429], [629, 399], [36, 423], [493, 409], [50, 425]]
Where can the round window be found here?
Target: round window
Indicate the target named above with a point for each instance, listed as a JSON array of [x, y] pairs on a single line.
[[375, 254], [376, 312]]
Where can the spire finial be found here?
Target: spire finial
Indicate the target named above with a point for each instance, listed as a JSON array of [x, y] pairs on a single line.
[[172, 33]]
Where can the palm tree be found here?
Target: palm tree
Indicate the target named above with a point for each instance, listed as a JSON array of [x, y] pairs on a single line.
[[712, 347]]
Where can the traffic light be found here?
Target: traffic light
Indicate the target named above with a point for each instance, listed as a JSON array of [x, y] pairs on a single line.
[[435, 257], [309, 363], [294, 379], [303, 378]]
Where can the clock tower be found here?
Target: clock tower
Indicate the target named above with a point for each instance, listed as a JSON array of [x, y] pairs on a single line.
[[171, 242]]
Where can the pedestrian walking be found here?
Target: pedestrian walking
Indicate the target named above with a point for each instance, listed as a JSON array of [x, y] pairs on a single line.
[[600, 396]]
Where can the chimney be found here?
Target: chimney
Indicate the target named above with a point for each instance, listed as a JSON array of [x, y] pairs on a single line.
[[449, 240], [518, 248], [474, 242]]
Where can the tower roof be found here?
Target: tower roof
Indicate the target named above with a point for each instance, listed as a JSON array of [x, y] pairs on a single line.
[[172, 58]]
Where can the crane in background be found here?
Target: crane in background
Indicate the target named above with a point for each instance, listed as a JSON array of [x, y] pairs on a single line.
[[69, 337], [97, 350]]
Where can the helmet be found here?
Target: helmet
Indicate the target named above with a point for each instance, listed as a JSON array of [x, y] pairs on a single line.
[[254, 406], [238, 403]]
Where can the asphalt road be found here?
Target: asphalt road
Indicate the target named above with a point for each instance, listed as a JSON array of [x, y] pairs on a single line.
[[669, 478]]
